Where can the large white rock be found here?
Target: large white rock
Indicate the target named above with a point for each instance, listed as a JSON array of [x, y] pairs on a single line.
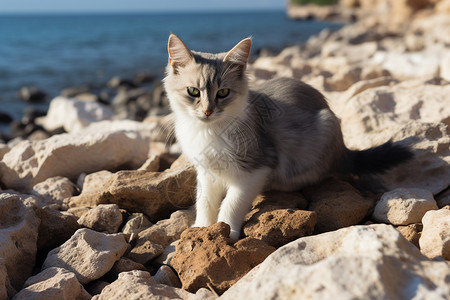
[[88, 254], [74, 114], [18, 237], [53, 284], [360, 262], [102, 146], [404, 206], [435, 238]]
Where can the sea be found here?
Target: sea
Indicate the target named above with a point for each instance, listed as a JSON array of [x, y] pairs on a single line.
[[56, 51]]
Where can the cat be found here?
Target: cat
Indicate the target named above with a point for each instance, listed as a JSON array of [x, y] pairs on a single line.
[[280, 135]]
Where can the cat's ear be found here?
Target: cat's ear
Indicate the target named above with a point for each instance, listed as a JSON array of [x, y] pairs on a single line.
[[240, 53], [179, 54]]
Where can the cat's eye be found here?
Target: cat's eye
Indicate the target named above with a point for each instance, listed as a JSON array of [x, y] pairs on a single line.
[[222, 93], [193, 92]]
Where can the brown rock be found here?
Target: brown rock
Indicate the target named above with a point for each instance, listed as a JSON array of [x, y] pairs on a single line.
[[151, 164], [280, 226], [155, 194], [55, 228], [6, 289], [411, 232], [53, 191], [207, 256], [104, 218], [136, 223], [337, 204], [275, 199]]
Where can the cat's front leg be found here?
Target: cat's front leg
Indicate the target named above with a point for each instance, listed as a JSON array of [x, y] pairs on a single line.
[[237, 203], [210, 192]]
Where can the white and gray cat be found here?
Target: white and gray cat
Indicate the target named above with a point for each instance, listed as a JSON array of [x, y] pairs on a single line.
[[281, 135]]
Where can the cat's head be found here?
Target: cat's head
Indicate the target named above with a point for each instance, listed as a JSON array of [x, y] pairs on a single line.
[[209, 88]]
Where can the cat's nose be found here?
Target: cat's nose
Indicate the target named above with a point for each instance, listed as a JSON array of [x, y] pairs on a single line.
[[208, 112]]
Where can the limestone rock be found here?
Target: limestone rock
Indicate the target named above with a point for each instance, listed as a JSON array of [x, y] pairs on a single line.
[[151, 164], [123, 265], [166, 257], [90, 185], [280, 226], [435, 238], [145, 251], [6, 290], [207, 256], [404, 206], [165, 275], [156, 194], [104, 218], [55, 228], [337, 204], [102, 146], [169, 230], [139, 285], [411, 233], [53, 191], [88, 254], [18, 237], [429, 169], [359, 262], [74, 114], [136, 223], [53, 284]]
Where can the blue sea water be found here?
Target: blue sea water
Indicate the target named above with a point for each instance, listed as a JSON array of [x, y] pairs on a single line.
[[53, 52]]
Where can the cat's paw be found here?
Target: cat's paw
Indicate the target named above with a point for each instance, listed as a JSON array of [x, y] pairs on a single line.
[[234, 234]]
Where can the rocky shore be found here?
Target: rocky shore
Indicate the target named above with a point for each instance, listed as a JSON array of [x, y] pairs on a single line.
[[98, 206]]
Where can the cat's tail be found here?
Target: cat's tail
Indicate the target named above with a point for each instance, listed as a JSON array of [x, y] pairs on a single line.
[[377, 159]]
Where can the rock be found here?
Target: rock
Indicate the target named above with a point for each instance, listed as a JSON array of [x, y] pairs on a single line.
[[379, 111], [136, 223], [32, 94], [435, 238], [206, 256], [123, 265], [103, 146], [117, 82], [143, 77], [77, 212], [73, 92], [359, 262], [151, 164], [404, 206], [411, 233], [6, 290], [156, 194], [88, 254], [443, 199], [342, 80], [280, 226], [5, 118], [167, 276], [104, 218], [53, 191], [167, 231], [139, 285], [55, 228], [429, 169], [74, 114], [53, 284], [337, 204], [3, 150], [96, 287], [166, 257], [90, 185], [18, 235], [145, 251]]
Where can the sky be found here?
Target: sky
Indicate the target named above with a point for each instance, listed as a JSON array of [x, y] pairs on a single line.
[[67, 6]]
